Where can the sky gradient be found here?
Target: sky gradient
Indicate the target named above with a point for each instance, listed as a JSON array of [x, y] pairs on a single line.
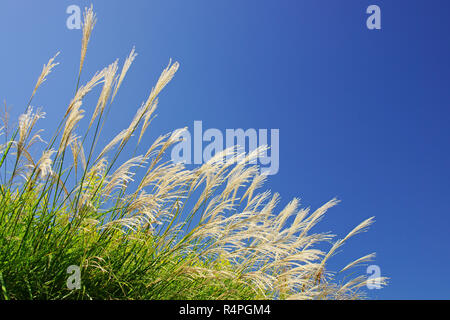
[[363, 114]]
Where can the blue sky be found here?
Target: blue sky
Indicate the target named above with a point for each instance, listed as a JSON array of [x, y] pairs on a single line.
[[363, 114]]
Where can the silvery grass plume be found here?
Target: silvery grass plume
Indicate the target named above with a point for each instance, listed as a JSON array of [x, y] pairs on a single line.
[[87, 27], [147, 228]]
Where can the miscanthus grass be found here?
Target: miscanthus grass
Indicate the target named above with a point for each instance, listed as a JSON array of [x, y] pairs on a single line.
[[172, 233]]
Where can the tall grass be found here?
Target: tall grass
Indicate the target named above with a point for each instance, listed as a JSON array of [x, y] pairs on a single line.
[[174, 233]]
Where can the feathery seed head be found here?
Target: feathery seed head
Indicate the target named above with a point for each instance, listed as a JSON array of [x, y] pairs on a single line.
[[87, 26], [129, 60], [46, 69], [44, 165]]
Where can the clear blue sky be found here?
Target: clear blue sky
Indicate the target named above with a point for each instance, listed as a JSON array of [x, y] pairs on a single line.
[[363, 115]]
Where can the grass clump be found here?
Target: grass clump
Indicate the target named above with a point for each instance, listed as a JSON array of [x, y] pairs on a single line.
[[174, 233]]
